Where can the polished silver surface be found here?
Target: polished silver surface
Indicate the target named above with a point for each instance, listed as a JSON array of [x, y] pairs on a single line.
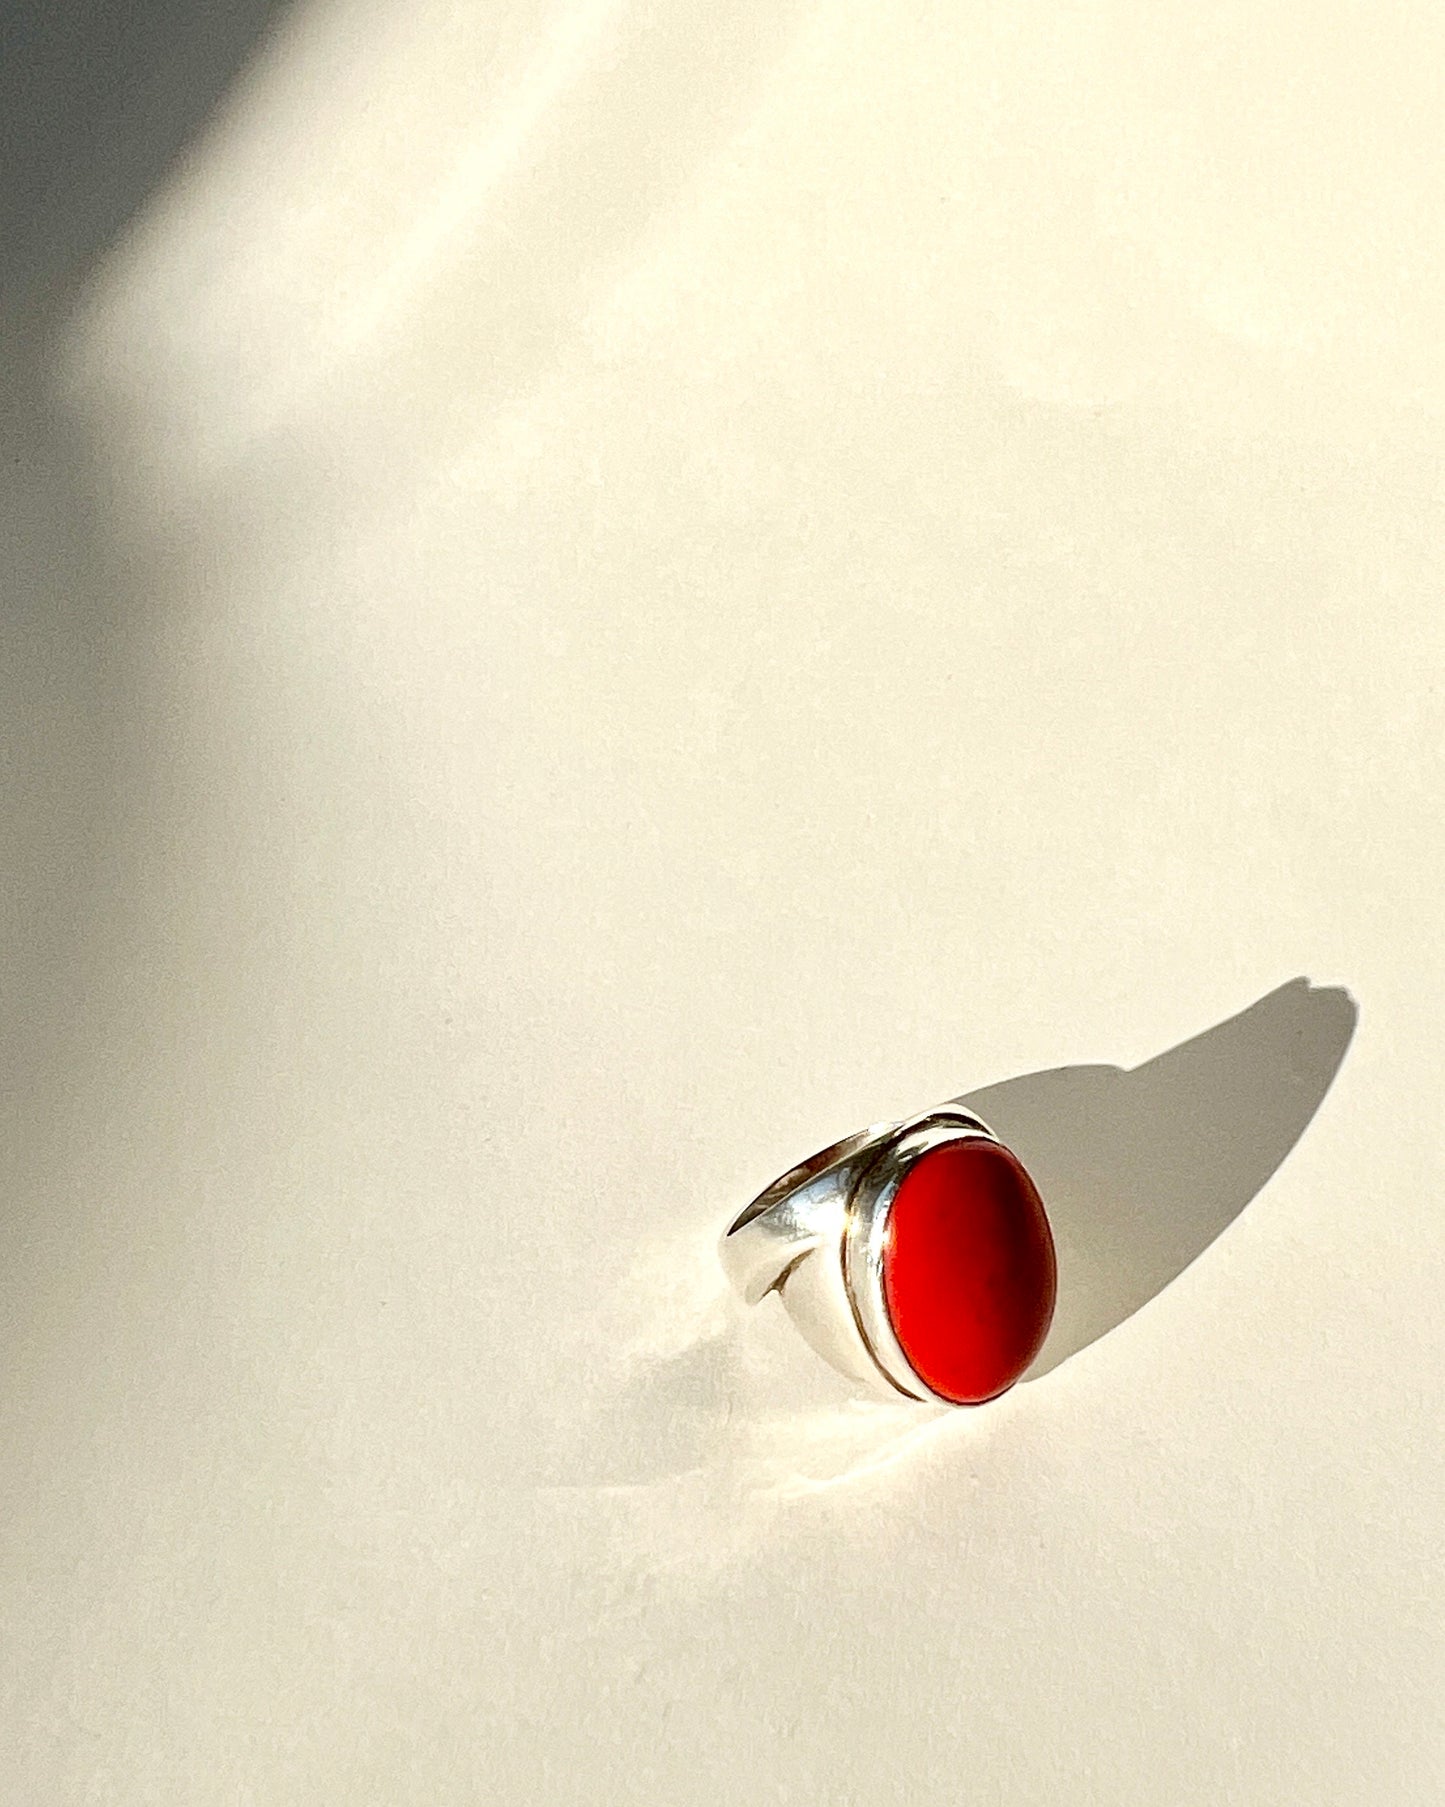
[[817, 1235]]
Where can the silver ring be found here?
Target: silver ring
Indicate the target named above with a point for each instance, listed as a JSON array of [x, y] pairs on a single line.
[[915, 1257]]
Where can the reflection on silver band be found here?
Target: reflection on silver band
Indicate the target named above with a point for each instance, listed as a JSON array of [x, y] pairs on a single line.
[[818, 1235]]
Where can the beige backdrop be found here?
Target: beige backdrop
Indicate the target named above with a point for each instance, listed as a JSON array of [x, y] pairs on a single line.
[[600, 594]]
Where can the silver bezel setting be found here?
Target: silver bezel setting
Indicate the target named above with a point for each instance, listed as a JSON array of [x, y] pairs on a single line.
[[818, 1236]]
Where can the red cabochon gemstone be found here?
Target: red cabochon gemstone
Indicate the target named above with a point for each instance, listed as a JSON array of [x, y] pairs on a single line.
[[969, 1275]]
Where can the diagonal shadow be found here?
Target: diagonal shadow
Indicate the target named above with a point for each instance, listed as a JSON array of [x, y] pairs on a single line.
[[99, 102], [1142, 1169]]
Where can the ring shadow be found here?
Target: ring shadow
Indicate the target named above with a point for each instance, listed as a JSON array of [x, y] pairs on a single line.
[[1143, 1168]]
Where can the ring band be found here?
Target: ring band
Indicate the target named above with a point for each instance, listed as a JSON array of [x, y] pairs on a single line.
[[915, 1256]]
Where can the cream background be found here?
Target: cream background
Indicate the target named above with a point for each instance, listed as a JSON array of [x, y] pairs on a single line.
[[601, 595]]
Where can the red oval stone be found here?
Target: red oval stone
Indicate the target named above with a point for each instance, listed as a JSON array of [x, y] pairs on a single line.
[[969, 1274]]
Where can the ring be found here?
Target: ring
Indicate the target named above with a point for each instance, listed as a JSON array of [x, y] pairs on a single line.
[[914, 1255]]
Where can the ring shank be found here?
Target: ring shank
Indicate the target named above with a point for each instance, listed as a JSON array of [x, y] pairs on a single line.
[[800, 1211], [793, 1238]]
